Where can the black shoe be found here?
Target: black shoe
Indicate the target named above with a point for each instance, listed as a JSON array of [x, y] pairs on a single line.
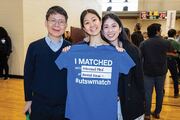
[[155, 115], [176, 95], [147, 117], [6, 78]]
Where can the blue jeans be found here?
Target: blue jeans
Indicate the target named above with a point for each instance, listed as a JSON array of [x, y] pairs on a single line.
[[149, 84]]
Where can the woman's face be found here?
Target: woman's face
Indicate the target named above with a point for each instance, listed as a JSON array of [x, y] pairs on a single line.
[[92, 24], [111, 30]]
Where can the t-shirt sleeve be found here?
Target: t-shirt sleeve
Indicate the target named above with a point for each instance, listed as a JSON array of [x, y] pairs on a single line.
[[126, 62], [62, 60]]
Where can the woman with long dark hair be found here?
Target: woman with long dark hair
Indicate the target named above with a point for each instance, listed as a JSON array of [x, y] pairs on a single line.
[[131, 86]]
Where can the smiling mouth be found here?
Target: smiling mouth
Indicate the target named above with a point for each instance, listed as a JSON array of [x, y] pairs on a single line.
[[111, 35], [57, 30], [93, 29]]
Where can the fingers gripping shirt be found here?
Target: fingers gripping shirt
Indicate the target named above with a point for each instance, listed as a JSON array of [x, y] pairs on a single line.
[[93, 80]]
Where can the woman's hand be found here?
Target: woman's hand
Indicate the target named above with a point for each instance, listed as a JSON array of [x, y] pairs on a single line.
[[66, 49]]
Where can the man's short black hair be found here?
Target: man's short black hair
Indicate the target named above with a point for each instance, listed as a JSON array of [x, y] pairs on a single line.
[[153, 29], [171, 33], [55, 10]]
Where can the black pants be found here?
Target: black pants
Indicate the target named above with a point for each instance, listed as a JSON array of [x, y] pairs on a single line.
[[4, 66], [172, 66], [42, 110], [178, 65]]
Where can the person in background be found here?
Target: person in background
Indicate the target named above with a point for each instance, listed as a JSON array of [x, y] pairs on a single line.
[[5, 51], [127, 31], [178, 36], [145, 35], [172, 63], [45, 85], [137, 36], [154, 57], [178, 58], [131, 86]]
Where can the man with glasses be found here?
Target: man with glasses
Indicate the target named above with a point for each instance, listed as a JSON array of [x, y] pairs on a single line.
[[44, 84]]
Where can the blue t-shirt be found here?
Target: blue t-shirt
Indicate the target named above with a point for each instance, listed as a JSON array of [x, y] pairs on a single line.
[[93, 80]]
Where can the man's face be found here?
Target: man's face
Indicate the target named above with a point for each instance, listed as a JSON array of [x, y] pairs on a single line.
[[56, 26]]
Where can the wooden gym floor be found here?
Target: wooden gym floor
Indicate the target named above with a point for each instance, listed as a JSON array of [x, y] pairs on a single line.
[[12, 101]]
